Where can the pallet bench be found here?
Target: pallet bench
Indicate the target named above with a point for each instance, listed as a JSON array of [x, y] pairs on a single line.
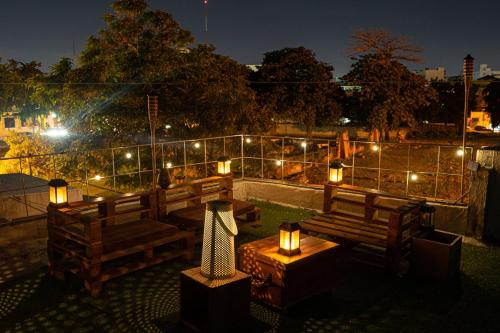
[[106, 238], [184, 205], [378, 224]]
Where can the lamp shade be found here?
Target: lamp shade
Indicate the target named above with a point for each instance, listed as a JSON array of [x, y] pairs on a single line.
[[218, 257], [289, 238], [223, 165], [58, 192], [335, 172]]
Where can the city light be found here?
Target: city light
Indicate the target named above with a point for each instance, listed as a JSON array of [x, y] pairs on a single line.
[[304, 144], [128, 155], [413, 177], [169, 165], [375, 147], [460, 152], [278, 162], [97, 177], [248, 140], [197, 145], [168, 126], [57, 132]]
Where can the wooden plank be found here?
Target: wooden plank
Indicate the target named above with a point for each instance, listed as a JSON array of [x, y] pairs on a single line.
[[378, 222], [348, 229], [350, 223], [333, 232]]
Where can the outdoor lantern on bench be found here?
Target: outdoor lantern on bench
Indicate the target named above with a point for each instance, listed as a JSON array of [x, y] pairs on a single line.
[[289, 238], [217, 257], [58, 192], [223, 166], [335, 172]]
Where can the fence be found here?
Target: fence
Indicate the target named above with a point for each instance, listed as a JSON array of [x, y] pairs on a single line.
[[426, 170]]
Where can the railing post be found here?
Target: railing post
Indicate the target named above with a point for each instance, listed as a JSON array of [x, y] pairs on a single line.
[[261, 159], [282, 160], [379, 164], [437, 172], [327, 159], [24, 186], [139, 165], [205, 157], [242, 158], [185, 157], [87, 172], [113, 167], [353, 162], [407, 169]]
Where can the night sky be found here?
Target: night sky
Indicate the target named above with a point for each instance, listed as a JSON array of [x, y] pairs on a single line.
[[44, 30]]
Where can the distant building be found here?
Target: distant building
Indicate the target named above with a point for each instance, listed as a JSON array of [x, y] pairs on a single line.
[[254, 68], [484, 70], [433, 74], [12, 122]]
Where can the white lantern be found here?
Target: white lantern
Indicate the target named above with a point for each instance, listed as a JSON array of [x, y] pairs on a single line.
[[218, 257]]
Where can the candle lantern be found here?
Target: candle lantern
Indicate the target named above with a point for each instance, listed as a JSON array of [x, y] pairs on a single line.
[[218, 257], [58, 192], [223, 166], [427, 216], [289, 238], [335, 172]]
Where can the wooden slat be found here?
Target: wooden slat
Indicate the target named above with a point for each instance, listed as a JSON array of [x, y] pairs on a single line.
[[378, 222], [350, 223], [331, 231], [354, 230]]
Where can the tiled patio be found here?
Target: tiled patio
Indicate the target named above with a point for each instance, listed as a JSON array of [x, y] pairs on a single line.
[[365, 299]]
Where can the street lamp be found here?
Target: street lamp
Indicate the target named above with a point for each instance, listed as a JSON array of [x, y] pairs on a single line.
[[468, 71]]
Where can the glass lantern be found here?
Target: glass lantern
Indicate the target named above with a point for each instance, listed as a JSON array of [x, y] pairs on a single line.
[[223, 166], [58, 192], [289, 238], [335, 172]]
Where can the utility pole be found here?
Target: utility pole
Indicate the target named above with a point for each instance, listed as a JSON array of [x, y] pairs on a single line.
[[468, 72], [153, 122]]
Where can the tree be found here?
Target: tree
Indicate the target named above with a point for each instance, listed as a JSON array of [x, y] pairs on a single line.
[[389, 93], [137, 51], [23, 145], [293, 85], [449, 105], [492, 99], [210, 96]]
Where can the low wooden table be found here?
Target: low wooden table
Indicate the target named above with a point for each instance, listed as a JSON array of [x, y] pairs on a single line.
[[280, 280], [214, 305]]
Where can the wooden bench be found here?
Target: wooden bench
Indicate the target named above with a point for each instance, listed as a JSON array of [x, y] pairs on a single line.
[[380, 224], [184, 205], [106, 238]]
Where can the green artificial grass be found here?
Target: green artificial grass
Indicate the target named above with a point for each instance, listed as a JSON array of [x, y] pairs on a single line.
[[365, 298]]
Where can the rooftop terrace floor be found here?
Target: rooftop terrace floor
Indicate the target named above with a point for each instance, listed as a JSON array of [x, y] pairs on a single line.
[[365, 298]]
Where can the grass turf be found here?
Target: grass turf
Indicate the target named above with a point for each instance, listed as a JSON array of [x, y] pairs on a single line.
[[364, 299]]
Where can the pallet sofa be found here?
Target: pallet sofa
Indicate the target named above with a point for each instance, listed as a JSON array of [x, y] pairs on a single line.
[[106, 238], [379, 225], [184, 205]]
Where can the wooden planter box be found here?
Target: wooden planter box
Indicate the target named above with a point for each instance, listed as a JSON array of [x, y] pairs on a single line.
[[436, 255]]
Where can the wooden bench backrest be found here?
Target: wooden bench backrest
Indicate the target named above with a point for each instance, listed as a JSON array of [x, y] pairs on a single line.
[[194, 193], [403, 218]]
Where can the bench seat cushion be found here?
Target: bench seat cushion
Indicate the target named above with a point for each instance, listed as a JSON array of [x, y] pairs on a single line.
[[190, 218], [122, 236]]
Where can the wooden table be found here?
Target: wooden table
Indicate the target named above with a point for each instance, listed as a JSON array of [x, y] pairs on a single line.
[[214, 305], [280, 280]]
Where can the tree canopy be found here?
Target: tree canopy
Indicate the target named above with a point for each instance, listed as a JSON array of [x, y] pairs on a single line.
[[390, 95], [293, 85], [492, 99]]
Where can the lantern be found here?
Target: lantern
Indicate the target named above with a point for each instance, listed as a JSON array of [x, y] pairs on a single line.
[[217, 257], [223, 165], [58, 192], [427, 215], [335, 172], [289, 238]]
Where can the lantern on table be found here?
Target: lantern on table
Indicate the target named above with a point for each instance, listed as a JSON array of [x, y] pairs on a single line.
[[335, 172], [218, 257], [58, 192], [289, 238], [223, 166]]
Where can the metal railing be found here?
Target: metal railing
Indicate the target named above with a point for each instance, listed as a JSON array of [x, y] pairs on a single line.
[[426, 170]]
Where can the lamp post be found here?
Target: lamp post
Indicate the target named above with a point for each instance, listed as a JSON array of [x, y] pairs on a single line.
[[468, 71]]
